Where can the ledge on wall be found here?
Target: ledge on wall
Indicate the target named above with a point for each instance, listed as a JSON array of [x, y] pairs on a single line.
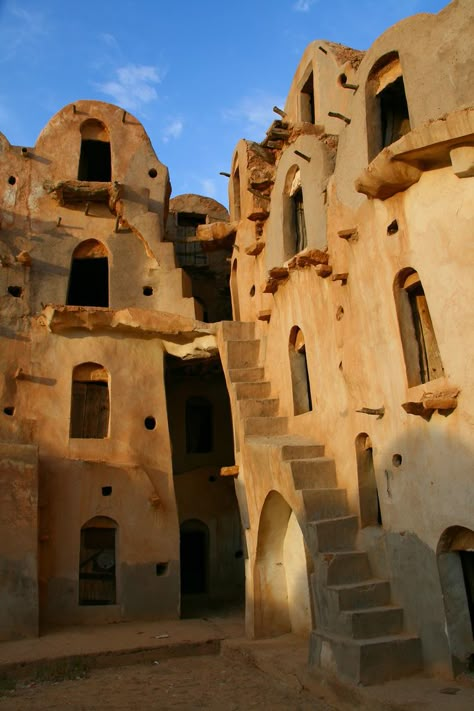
[[437, 144], [71, 192], [182, 337], [444, 401]]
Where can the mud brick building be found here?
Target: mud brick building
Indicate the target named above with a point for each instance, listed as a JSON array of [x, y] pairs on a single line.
[[274, 402]]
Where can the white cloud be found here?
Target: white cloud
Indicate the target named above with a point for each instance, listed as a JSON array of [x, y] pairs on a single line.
[[256, 110], [208, 187], [174, 129], [133, 85], [303, 5], [20, 30]]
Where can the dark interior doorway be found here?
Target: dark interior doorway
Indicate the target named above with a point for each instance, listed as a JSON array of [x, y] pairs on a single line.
[[95, 162], [89, 282], [194, 556]]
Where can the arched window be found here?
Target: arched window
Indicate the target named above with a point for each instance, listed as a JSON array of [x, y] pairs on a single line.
[[299, 372], [387, 108], [368, 494], [89, 402], [95, 160], [199, 425], [236, 192], [294, 224], [420, 347], [97, 562], [89, 276], [307, 108], [234, 291]]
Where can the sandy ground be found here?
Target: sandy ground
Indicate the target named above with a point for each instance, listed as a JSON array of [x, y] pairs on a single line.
[[206, 682]]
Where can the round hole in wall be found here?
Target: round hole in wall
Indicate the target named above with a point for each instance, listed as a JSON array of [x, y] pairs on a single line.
[[397, 460], [239, 554], [212, 478], [162, 568], [392, 228], [252, 290], [342, 79], [10, 410], [11, 180], [152, 172], [15, 291], [147, 291], [150, 423], [339, 313]]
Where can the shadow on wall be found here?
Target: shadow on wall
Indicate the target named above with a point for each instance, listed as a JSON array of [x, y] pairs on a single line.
[[425, 478]]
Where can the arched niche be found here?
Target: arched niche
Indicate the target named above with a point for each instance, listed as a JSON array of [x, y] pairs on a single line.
[[369, 504], [98, 562], [89, 275], [281, 585]]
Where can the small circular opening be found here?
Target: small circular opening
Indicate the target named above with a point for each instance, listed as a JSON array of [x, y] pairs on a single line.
[[392, 228], [150, 423], [397, 460], [239, 554], [9, 410], [212, 478], [339, 313], [152, 172], [15, 291], [12, 180], [147, 291], [252, 291]]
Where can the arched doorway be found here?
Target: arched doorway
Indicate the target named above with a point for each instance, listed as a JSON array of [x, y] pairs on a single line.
[[456, 572], [194, 557], [281, 585], [97, 562]]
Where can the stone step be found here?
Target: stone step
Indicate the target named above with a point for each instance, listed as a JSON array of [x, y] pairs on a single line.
[[367, 661], [333, 534], [260, 407], [242, 354], [371, 622], [319, 472], [360, 596], [238, 330], [300, 450], [324, 503], [246, 375], [267, 426], [260, 389], [346, 567]]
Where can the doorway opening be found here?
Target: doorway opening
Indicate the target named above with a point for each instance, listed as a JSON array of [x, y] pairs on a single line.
[[97, 562]]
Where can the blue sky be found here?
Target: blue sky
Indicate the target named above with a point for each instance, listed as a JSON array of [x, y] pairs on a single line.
[[199, 75]]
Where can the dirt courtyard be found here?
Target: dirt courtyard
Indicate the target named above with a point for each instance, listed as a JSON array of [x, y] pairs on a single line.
[[206, 682]]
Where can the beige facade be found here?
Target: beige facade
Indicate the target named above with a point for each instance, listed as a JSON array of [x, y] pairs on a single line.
[[337, 402]]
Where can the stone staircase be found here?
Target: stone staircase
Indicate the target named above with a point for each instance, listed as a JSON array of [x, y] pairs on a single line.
[[360, 633]]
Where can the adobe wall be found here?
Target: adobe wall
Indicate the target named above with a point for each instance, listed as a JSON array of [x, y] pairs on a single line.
[[348, 313]]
